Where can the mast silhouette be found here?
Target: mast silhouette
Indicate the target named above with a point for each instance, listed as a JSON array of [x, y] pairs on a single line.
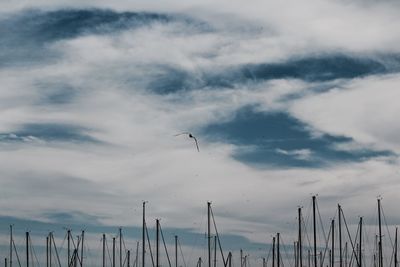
[[315, 232], [299, 244], [380, 252]]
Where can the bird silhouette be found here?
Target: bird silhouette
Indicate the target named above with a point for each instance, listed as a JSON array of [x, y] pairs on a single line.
[[190, 136]]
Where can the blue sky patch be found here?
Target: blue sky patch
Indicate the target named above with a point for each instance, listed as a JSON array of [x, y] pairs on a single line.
[[278, 139]]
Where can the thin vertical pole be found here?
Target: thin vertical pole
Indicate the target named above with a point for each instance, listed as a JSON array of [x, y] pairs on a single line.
[[50, 251], [241, 258], [309, 258], [27, 249], [113, 258], [11, 245], [300, 246], [333, 244], [176, 251], [104, 250], [230, 259], [69, 246], [340, 235], [360, 247], [47, 251], [278, 256], [120, 247], [143, 234], [129, 258], [83, 237], [209, 232], [273, 252], [5, 262], [380, 234], [315, 233], [157, 242], [395, 249]]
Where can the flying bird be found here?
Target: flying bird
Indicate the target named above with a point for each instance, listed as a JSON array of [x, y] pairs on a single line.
[[190, 136]]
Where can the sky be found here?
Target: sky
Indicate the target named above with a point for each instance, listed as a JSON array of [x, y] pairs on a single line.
[[286, 99]]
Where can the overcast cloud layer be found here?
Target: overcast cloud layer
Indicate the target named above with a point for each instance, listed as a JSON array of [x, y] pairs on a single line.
[[286, 100]]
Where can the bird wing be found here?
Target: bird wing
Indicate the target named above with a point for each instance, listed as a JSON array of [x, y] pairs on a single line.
[[197, 144], [181, 133]]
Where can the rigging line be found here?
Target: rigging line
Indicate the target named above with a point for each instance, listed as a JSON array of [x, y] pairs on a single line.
[[284, 248], [320, 220], [31, 251], [349, 236], [165, 246], [305, 221], [268, 255], [108, 252], [148, 240], [55, 247], [62, 243], [180, 248], [16, 252], [387, 228], [219, 241], [326, 245], [34, 252]]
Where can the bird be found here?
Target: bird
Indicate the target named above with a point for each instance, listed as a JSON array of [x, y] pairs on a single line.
[[190, 136]]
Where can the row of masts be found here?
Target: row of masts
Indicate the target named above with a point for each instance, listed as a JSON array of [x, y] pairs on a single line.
[[315, 256]]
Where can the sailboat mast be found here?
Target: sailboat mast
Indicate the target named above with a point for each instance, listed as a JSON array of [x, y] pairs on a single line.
[[11, 245], [120, 247], [395, 249], [176, 251], [69, 246], [380, 235], [340, 236], [273, 252], [157, 242], [47, 251], [315, 233], [360, 247], [300, 248], [143, 234], [333, 244], [104, 250], [209, 232], [83, 237], [113, 258], [278, 258], [27, 249]]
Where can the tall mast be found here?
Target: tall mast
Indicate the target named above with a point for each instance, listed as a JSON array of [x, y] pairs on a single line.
[[83, 237], [11, 245], [380, 234], [360, 247], [143, 234], [209, 232], [120, 247], [278, 257], [69, 246], [50, 251], [176, 251], [157, 242], [47, 251], [315, 233], [395, 249], [27, 249], [241, 258], [113, 258], [300, 248], [333, 244], [104, 250], [340, 236], [273, 252], [129, 258]]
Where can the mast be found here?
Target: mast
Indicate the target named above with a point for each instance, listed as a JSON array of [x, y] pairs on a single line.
[[129, 258], [69, 246], [359, 251], [50, 250], [104, 250], [47, 251], [176, 251], [209, 232], [380, 235], [143, 234], [157, 242], [395, 249], [120, 247], [241, 258], [273, 252], [300, 248], [345, 254], [315, 233], [340, 236], [83, 237], [113, 258], [11, 244], [333, 244], [27, 249], [278, 257]]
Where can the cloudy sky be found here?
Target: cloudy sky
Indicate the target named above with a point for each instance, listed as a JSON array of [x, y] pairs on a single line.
[[286, 99]]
